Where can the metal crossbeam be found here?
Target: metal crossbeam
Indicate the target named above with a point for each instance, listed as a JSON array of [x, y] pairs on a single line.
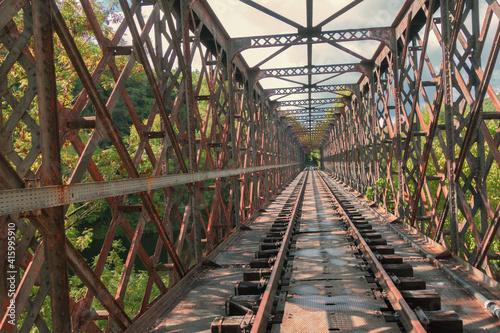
[[311, 117], [319, 101], [334, 109], [333, 88], [30, 199], [313, 36], [313, 70]]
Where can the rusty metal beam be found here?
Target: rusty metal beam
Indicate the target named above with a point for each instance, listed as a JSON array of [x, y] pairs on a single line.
[[335, 88], [305, 70], [313, 35], [53, 196], [53, 217], [311, 117], [310, 102]]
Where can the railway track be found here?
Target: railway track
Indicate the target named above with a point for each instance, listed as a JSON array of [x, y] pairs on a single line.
[[417, 307], [329, 264]]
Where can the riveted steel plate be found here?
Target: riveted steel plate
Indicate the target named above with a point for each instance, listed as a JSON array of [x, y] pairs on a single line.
[[333, 285], [343, 313]]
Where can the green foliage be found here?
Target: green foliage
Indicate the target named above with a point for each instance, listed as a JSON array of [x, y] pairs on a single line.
[[313, 158], [384, 190], [370, 193], [111, 277], [84, 241], [141, 94], [491, 183]]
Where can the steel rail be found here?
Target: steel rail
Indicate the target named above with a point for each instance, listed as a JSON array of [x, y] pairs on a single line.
[[30, 199], [408, 316], [490, 305], [266, 304]]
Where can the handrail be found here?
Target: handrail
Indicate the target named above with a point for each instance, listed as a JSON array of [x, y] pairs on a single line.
[[29, 199]]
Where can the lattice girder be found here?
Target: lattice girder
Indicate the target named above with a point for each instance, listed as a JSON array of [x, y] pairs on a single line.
[[449, 155], [183, 125]]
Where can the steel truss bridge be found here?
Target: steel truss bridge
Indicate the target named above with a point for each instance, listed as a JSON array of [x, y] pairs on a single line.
[[216, 147]]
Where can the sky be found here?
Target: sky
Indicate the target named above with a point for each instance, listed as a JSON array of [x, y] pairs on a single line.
[[242, 20]]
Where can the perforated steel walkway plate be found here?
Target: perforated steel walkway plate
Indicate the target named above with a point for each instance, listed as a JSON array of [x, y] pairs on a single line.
[[342, 313]]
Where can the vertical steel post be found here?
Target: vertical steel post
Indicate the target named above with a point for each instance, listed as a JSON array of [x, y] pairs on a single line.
[[54, 240], [194, 199], [321, 158], [482, 168], [252, 116], [449, 109], [234, 143], [399, 209]]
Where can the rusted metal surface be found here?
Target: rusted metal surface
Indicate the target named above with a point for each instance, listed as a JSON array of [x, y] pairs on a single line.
[[463, 289], [198, 304], [31, 199], [413, 134], [408, 317], [233, 127], [322, 281], [384, 132], [262, 315], [51, 174]]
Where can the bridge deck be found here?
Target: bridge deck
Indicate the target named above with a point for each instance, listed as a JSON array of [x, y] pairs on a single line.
[[327, 289], [208, 292]]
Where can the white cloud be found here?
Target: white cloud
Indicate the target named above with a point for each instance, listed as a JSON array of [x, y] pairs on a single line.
[[240, 19]]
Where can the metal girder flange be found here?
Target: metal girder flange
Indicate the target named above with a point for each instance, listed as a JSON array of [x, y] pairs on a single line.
[[334, 109], [319, 101], [312, 36], [312, 117], [333, 88], [259, 74], [311, 133]]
